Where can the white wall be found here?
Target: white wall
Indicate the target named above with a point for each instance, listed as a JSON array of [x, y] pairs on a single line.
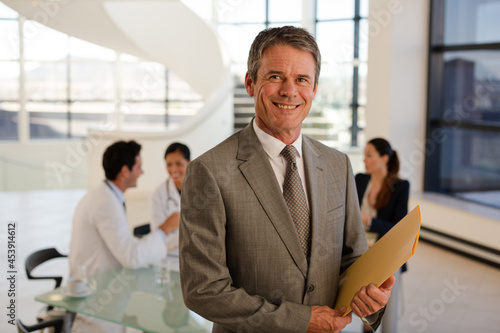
[[397, 79], [41, 165], [396, 110]]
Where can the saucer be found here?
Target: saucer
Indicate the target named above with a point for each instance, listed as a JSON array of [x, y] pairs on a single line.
[[85, 293]]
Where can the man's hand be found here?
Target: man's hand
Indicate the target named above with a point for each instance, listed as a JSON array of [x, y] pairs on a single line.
[[370, 299], [325, 319]]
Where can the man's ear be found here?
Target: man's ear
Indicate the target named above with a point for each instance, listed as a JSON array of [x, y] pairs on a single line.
[[124, 171], [249, 85]]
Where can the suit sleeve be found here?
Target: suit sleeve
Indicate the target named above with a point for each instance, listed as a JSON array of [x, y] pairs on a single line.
[[400, 209], [205, 278], [354, 235]]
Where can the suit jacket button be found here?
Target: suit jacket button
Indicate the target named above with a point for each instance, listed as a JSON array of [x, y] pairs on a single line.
[[310, 289]]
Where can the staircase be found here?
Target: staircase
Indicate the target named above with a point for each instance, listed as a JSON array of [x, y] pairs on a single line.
[[244, 108]]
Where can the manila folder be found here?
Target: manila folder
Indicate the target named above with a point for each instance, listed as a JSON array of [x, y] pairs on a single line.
[[382, 260]]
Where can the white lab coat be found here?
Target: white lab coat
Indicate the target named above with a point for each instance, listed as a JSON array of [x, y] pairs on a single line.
[[165, 201], [101, 240]]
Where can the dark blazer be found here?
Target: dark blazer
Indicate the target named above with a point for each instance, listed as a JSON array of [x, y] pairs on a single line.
[[393, 212], [241, 262]]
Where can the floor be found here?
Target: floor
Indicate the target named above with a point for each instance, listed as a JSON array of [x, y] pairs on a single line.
[[442, 292]]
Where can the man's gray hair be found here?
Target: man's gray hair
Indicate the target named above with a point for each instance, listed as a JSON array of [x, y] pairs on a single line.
[[298, 38]]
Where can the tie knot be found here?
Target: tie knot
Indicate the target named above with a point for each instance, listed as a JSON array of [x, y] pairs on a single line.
[[289, 153]]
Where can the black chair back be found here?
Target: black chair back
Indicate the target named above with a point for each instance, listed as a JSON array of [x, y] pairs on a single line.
[[39, 257]]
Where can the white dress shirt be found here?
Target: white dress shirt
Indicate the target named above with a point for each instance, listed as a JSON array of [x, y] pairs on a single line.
[[273, 148], [367, 208]]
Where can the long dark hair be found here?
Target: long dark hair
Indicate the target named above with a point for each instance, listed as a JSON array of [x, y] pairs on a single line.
[[383, 147]]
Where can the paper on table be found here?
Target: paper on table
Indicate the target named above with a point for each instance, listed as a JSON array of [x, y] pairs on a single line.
[[382, 260]]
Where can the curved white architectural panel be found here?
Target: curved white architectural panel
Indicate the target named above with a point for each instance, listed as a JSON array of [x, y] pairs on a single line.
[[175, 36], [164, 31]]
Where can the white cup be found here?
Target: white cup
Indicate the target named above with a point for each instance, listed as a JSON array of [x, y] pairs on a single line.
[[76, 286]]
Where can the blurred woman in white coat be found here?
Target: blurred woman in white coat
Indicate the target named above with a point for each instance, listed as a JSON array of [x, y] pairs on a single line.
[[166, 198]]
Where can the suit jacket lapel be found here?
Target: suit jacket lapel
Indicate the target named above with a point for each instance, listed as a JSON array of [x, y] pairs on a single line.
[[260, 176], [321, 200], [315, 176]]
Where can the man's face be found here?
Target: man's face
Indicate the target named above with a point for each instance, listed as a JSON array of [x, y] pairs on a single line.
[[132, 175], [283, 91]]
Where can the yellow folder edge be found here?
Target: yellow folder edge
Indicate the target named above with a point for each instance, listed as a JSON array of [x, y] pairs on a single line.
[[382, 260]]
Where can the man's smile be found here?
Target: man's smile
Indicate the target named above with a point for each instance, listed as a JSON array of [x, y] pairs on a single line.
[[286, 107]]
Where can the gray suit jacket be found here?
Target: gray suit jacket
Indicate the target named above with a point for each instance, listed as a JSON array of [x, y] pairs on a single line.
[[241, 262]]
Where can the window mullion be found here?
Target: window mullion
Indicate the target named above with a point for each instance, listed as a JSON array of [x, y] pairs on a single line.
[[23, 119]]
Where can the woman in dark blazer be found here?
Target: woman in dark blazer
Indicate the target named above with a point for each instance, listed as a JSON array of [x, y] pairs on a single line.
[[383, 197]]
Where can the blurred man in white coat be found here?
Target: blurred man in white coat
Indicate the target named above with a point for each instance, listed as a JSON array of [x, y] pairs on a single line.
[[101, 239]]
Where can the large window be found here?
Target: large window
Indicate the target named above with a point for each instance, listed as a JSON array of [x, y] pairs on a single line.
[[64, 86], [342, 35], [463, 136]]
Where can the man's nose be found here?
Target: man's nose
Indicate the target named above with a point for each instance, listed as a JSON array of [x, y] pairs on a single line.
[[288, 88]]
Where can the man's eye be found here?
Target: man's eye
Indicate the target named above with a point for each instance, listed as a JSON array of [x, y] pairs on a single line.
[[275, 77], [302, 80]]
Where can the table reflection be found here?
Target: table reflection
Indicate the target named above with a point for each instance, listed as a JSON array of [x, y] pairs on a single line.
[[132, 298]]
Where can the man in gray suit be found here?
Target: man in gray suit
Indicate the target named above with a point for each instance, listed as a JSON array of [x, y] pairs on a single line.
[[247, 263]]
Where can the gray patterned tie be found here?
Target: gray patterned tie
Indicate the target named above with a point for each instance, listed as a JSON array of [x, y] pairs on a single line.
[[295, 199]]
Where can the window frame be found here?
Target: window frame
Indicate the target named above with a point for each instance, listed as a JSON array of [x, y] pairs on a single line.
[[436, 124]]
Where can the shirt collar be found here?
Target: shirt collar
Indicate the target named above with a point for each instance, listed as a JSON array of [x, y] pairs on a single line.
[[117, 190], [272, 145]]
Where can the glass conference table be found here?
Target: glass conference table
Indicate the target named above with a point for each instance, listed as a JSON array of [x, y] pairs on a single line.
[[131, 297]]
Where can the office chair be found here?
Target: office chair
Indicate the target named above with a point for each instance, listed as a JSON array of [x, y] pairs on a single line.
[[39, 257], [34, 260], [57, 324]]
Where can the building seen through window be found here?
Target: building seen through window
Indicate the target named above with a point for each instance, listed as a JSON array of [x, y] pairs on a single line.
[[463, 136]]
